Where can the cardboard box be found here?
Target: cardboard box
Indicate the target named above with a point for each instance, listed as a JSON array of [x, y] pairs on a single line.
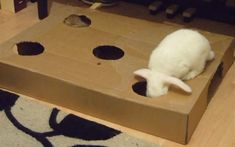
[[69, 75]]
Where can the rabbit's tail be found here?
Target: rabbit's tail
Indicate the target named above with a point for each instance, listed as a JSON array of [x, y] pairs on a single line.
[[211, 56]]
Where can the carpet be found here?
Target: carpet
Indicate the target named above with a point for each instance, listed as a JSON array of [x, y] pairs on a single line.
[[27, 123]]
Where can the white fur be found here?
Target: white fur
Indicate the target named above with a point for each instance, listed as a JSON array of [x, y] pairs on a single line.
[[180, 55]]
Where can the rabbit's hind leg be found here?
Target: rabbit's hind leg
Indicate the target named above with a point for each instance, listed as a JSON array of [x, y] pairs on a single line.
[[192, 74]]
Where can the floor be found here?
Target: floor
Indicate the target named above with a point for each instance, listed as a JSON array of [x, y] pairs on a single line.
[[12, 24], [217, 126]]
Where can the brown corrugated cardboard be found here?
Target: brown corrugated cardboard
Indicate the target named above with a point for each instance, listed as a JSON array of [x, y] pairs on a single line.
[[68, 74]]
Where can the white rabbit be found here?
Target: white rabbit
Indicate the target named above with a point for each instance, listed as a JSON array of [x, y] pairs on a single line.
[[181, 55]]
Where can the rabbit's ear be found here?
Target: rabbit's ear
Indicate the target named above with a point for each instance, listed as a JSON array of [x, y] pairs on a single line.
[[178, 83], [145, 73]]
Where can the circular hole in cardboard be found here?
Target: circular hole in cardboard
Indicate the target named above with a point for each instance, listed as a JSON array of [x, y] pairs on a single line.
[[140, 88], [75, 20], [108, 52], [28, 48]]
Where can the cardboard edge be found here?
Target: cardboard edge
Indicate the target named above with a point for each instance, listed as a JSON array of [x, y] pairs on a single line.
[[228, 59], [192, 121], [196, 113], [124, 112]]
